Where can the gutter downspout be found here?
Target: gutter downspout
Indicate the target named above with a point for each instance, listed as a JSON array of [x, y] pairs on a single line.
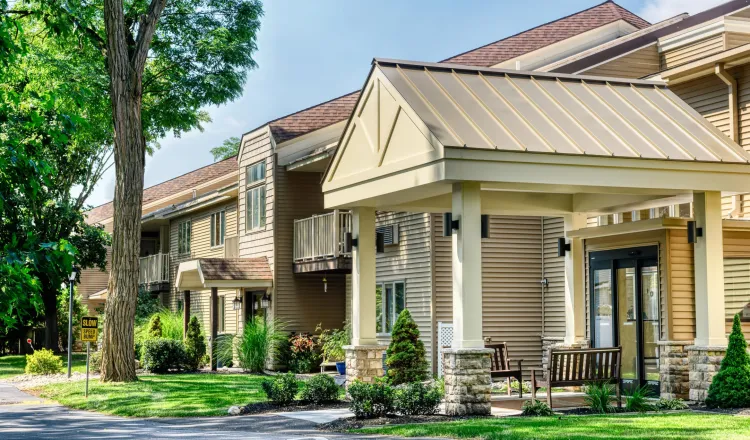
[[734, 126]]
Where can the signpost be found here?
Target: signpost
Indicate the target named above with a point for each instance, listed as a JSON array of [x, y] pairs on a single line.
[[89, 334]]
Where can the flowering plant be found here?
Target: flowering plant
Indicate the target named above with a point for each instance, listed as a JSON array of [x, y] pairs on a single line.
[[304, 353]]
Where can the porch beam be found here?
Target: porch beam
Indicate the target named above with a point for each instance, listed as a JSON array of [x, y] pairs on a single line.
[[708, 259], [467, 266], [575, 311], [363, 277], [185, 311]]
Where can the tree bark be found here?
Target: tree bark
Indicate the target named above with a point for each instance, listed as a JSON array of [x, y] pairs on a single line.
[[51, 332], [125, 65]]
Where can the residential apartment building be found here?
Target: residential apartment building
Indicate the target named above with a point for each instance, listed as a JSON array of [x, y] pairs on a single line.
[[255, 231]]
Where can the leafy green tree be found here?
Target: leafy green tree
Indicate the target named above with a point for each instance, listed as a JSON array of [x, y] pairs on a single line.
[[406, 355], [730, 388], [230, 147], [195, 344]]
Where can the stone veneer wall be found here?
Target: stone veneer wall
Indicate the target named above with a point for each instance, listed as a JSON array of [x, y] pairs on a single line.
[[674, 369], [467, 381], [704, 362], [364, 363]]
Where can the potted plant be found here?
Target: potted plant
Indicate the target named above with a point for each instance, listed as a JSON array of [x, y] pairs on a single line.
[[332, 346]]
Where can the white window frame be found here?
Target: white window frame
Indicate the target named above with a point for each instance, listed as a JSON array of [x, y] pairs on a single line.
[[184, 237], [384, 306], [255, 191], [218, 240]]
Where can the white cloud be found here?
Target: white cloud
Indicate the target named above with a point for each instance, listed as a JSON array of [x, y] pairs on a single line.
[[658, 10]]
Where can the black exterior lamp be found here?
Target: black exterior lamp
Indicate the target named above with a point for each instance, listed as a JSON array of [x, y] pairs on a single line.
[[562, 247], [693, 232], [450, 225], [237, 303]]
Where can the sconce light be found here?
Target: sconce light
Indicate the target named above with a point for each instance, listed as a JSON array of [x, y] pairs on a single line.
[[265, 302], [485, 226], [379, 242], [449, 225], [692, 232], [237, 303], [325, 285], [562, 247], [350, 242]]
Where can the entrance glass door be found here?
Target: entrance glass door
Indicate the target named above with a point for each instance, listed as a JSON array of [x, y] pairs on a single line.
[[625, 310]]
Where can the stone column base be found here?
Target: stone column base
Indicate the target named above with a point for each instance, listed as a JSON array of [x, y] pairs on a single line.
[[704, 362], [467, 381], [364, 362], [674, 369]]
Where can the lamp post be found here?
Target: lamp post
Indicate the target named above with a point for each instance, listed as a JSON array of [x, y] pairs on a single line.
[[71, 283]]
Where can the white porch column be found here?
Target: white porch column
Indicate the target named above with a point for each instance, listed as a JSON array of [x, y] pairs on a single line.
[[467, 266], [708, 254], [575, 300], [363, 277]]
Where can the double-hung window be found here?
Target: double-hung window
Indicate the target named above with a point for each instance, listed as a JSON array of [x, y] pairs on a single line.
[[255, 196], [218, 228], [183, 237], [390, 301]]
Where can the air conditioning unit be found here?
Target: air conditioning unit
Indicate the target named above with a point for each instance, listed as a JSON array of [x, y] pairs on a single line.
[[390, 234]]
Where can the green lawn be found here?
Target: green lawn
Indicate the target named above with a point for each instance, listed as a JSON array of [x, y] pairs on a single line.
[[652, 426], [11, 366], [169, 395]]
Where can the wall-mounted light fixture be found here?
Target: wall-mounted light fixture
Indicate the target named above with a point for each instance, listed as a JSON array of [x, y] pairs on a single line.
[[237, 303], [562, 247], [325, 284], [350, 242], [693, 232], [380, 242], [265, 302], [544, 282], [450, 225]]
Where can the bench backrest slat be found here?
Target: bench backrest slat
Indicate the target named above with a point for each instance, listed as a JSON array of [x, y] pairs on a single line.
[[499, 358], [582, 365]]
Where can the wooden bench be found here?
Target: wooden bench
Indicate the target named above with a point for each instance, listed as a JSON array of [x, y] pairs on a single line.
[[577, 367], [501, 366]]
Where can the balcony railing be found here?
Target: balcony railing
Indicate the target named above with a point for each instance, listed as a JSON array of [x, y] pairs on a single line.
[[154, 269], [321, 236]]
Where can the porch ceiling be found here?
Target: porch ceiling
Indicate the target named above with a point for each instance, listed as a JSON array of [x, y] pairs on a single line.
[[206, 273], [539, 143]]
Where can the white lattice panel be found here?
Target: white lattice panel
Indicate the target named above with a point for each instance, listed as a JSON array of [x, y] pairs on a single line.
[[445, 339]]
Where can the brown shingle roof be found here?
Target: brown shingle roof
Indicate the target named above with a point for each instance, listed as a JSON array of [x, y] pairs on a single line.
[[339, 109], [170, 187], [231, 269]]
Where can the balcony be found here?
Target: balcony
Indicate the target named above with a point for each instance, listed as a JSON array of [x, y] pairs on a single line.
[[154, 273], [320, 243]]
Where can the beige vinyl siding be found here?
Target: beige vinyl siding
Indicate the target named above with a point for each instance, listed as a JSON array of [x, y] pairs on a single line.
[[554, 272], [742, 74], [692, 52], [636, 64], [301, 302], [257, 243], [708, 96], [511, 288], [92, 281], [681, 286], [734, 39], [409, 261]]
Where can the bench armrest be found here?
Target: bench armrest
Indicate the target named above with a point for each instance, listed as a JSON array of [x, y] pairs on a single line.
[[519, 364]]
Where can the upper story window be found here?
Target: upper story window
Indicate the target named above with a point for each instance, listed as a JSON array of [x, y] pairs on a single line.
[[255, 196], [218, 228], [183, 237], [390, 301]]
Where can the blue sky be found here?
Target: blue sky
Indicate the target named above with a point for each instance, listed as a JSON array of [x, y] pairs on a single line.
[[310, 51]]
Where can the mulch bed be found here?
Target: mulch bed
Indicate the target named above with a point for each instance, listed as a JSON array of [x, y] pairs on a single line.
[[729, 411], [268, 407], [343, 425]]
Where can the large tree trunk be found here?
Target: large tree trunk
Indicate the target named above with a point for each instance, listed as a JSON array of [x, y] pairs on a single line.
[[125, 66], [51, 333]]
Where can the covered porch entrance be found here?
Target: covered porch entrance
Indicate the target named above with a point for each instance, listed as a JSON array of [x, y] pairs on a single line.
[[443, 138]]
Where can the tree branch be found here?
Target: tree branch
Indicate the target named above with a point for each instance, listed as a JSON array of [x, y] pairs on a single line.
[[146, 30]]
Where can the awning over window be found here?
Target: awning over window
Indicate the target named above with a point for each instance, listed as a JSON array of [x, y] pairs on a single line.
[[205, 273]]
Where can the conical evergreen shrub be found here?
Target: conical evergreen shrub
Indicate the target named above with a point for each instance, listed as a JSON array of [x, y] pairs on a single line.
[[155, 330], [730, 387], [406, 356], [195, 344]]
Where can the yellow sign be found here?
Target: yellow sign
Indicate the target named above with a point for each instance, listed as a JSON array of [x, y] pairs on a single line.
[[89, 328]]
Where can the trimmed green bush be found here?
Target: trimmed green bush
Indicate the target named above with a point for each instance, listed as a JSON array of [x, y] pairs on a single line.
[[161, 355], [536, 408], [599, 397], [371, 400], [416, 398], [321, 388], [406, 355], [730, 388], [195, 345], [282, 389], [43, 361], [95, 361], [155, 330], [671, 404]]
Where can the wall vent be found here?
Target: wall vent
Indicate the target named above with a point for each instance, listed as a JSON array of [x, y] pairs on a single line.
[[390, 234]]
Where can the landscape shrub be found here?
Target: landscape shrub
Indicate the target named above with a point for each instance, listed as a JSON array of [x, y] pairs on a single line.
[[304, 354], [730, 388], [671, 404], [637, 399], [161, 355], [169, 326], [195, 345], [282, 389], [370, 400], [154, 329], [95, 361], [599, 397], [406, 354], [43, 361], [417, 398], [536, 408], [259, 341], [332, 342], [321, 388]]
